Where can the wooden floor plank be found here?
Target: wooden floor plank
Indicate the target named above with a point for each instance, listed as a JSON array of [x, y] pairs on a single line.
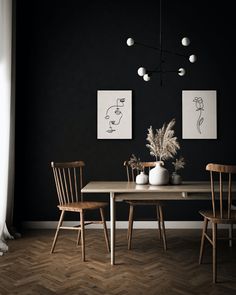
[[29, 268]]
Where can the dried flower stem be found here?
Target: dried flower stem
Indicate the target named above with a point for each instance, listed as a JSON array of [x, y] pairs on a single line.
[[135, 163], [179, 163]]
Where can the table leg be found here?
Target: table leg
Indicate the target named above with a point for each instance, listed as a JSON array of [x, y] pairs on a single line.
[[113, 226], [230, 234]]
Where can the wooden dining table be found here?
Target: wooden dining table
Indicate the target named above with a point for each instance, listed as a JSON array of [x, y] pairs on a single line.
[[123, 190]]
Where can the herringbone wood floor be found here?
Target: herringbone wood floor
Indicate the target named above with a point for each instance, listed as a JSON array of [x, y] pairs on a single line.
[[29, 269]]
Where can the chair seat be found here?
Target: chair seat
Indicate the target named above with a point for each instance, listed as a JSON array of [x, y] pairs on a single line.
[[79, 206], [144, 202], [217, 219]]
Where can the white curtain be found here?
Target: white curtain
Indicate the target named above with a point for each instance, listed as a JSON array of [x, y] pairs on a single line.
[[5, 114]]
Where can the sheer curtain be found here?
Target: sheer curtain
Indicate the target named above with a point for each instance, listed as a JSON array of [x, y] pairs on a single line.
[[5, 117]]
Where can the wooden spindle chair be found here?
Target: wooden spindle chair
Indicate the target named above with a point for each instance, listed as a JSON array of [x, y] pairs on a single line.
[[68, 178], [221, 212], [131, 175]]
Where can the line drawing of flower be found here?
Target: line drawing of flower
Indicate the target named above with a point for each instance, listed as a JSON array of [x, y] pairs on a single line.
[[199, 104]]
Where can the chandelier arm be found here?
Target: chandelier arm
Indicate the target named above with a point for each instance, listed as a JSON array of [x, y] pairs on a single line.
[[171, 71], [174, 53], [147, 46], [159, 49], [163, 71]]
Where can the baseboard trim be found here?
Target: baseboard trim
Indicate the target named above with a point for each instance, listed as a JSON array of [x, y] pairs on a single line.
[[120, 224]]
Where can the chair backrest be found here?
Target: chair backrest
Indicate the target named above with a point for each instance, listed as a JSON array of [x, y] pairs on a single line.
[[132, 173], [68, 178], [225, 184]]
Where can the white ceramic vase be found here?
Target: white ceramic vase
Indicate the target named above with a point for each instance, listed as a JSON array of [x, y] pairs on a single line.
[[158, 175], [141, 178]]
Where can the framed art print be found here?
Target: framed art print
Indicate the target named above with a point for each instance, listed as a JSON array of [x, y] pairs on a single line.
[[199, 114], [114, 114]]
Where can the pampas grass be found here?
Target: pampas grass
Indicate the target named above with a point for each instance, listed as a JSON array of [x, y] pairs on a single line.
[[162, 143]]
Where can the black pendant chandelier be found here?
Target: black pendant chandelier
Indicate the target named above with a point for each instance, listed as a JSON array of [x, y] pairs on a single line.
[[146, 74]]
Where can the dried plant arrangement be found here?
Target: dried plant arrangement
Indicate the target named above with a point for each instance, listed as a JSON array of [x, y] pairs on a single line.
[[179, 163], [135, 163], [162, 143]]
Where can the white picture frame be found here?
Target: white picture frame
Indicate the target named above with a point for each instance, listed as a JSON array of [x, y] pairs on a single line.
[[114, 114], [199, 114]]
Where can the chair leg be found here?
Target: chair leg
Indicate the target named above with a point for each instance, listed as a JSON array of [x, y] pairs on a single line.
[[163, 228], [130, 228], [214, 252], [158, 219], [82, 234], [204, 230], [78, 237], [230, 235], [129, 222], [57, 231], [105, 229]]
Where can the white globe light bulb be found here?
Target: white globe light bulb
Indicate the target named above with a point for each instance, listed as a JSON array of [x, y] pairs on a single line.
[[192, 58], [141, 71], [130, 42], [185, 41], [146, 77], [181, 72]]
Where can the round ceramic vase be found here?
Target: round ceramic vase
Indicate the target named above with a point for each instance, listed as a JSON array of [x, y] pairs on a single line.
[[158, 175], [141, 178]]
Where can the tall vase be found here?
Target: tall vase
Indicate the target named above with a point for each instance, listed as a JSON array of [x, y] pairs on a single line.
[[158, 175]]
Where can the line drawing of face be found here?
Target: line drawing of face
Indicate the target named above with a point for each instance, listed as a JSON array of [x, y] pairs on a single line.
[[114, 115]]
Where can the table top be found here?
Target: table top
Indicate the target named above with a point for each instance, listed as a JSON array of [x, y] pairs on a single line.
[[129, 187], [124, 190], [132, 187]]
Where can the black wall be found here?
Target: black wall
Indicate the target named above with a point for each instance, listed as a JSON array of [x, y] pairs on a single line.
[[66, 51]]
